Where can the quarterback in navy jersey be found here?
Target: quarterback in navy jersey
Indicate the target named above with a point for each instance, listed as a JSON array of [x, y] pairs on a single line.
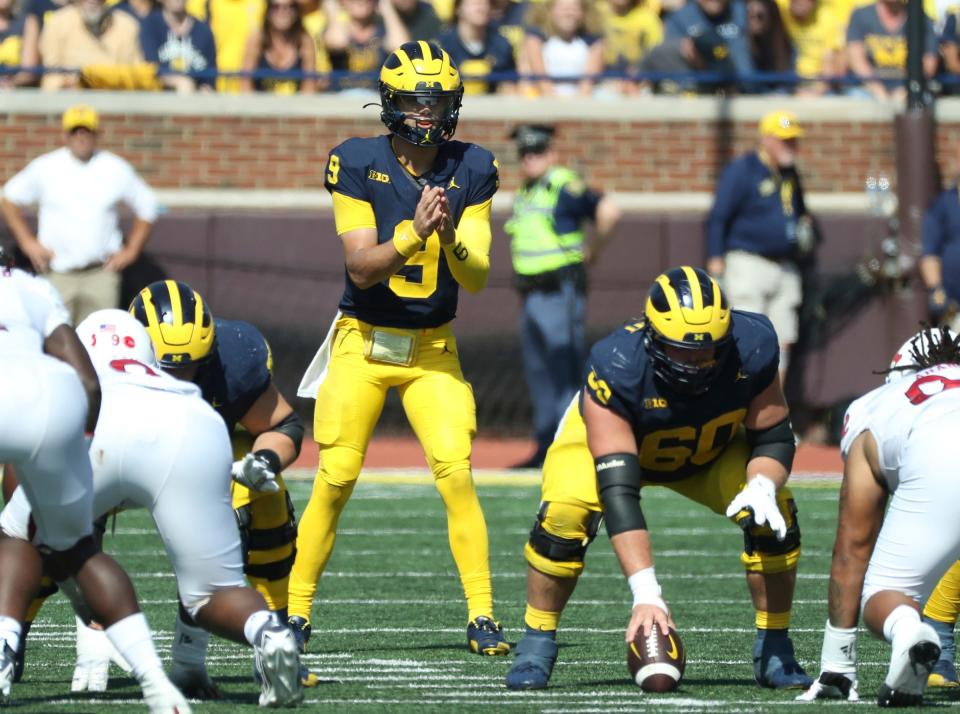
[[412, 210], [687, 398], [230, 361]]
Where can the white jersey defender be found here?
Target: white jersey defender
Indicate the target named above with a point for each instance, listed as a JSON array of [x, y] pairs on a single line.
[[915, 421]]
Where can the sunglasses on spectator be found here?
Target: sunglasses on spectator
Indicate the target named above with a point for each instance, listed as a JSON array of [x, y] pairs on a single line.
[[538, 151], [282, 6]]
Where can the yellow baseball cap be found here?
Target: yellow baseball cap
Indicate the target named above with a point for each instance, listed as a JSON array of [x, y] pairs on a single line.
[[781, 124], [81, 115]]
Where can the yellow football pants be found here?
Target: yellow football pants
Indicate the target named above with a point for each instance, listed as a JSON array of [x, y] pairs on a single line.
[[268, 531], [439, 404], [569, 478]]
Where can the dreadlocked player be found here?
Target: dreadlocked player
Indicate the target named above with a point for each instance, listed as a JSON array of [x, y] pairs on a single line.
[[897, 530]]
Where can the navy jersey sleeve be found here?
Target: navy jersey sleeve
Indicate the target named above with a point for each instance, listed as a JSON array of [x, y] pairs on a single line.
[[930, 36], [613, 373], [934, 223], [346, 169], [756, 340], [502, 54], [857, 29], [485, 175], [152, 34], [207, 46]]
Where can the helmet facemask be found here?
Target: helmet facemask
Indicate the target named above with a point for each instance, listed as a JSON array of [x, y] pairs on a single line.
[[400, 106], [685, 377]]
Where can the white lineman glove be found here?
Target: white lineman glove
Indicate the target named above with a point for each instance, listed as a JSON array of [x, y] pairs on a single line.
[[760, 498], [838, 667], [256, 473]]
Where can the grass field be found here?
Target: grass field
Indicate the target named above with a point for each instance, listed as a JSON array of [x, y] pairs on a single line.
[[389, 621]]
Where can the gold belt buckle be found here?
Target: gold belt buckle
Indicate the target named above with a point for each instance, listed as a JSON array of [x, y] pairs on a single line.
[[391, 347]]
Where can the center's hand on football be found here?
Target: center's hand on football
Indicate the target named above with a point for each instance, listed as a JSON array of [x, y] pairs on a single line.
[[255, 473], [832, 685], [645, 616], [759, 499], [429, 211]]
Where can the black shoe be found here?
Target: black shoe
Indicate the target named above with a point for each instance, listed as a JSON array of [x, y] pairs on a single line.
[[534, 462], [20, 655]]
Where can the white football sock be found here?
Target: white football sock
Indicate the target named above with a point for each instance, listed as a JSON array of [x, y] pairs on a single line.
[[902, 620], [254, 624], [10, 630], [131, 637]]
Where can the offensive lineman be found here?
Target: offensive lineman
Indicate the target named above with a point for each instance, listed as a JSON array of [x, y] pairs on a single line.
[[898, 447], [231, 363], [687, 398], [159, 446], [51, 396]]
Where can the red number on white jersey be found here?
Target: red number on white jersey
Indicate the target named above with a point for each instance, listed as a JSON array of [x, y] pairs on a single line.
[[132, 366], [928, 386]]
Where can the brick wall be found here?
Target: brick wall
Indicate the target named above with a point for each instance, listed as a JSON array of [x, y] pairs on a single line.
[[225, 149]]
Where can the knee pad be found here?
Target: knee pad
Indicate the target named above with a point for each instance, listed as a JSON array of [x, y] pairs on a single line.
[[63, 564], [560, 537], [763, 553], [339, 466], [268, 534]]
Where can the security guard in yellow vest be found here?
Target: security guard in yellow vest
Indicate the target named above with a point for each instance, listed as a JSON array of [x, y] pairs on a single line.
[[550, 254]]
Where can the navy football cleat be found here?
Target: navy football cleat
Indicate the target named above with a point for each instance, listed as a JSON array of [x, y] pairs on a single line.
[[485, 637], [536, 656], [301, 633], [774, 663]]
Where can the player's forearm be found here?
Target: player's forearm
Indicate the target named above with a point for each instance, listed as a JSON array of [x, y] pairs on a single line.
[[369, 266], [469, 268], [633, 551], [138, 236], [771, 468], [280, 444]]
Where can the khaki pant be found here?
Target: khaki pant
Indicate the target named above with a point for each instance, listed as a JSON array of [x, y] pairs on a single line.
[[87, 290], [770, 287]]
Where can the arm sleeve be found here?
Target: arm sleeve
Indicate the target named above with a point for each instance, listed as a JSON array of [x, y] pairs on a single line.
[[932, 234], [930, 37], [855, 30], [351, 213], [150, 42], [572, 206], [469, 255], [484, 182], [724, 205], [346, 174], [139, 196], [949, 36]]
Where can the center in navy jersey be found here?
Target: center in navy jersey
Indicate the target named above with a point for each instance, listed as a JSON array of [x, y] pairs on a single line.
[[423, 293], [677, 434]]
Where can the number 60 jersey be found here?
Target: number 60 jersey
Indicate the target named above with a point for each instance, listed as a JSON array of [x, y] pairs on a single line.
[[894, 411], [677, 434], [371, 189]]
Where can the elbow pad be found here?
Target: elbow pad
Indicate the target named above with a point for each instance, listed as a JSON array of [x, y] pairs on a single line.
[[618, 481], [292, 427], [776, 442]]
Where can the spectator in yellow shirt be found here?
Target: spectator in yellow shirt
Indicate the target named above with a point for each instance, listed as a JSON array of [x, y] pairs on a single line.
[[630, 31], [818, 37]]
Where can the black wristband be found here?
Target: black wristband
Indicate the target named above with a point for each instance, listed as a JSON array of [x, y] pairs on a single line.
[[271, 458]]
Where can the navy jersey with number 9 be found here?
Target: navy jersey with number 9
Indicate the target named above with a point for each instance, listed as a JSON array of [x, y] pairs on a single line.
[[423, 293]]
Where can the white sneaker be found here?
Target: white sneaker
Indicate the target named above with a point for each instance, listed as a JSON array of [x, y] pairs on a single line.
[[161, 696], [910, 664], [277, 663], [7, 665]]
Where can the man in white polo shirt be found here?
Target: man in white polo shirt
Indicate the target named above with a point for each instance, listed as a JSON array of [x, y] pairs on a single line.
[[79, 245]]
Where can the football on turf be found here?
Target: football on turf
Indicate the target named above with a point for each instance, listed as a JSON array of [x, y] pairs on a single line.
[[656, 662]]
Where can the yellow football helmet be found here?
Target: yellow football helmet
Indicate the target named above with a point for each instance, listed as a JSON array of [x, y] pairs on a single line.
[[687, 310], [178, 321], [418, 76]]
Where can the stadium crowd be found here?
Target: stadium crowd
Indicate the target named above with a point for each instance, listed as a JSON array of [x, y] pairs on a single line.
[[526, 47]]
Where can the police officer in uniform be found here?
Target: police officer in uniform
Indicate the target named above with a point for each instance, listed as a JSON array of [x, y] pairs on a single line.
[[550, 253]]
